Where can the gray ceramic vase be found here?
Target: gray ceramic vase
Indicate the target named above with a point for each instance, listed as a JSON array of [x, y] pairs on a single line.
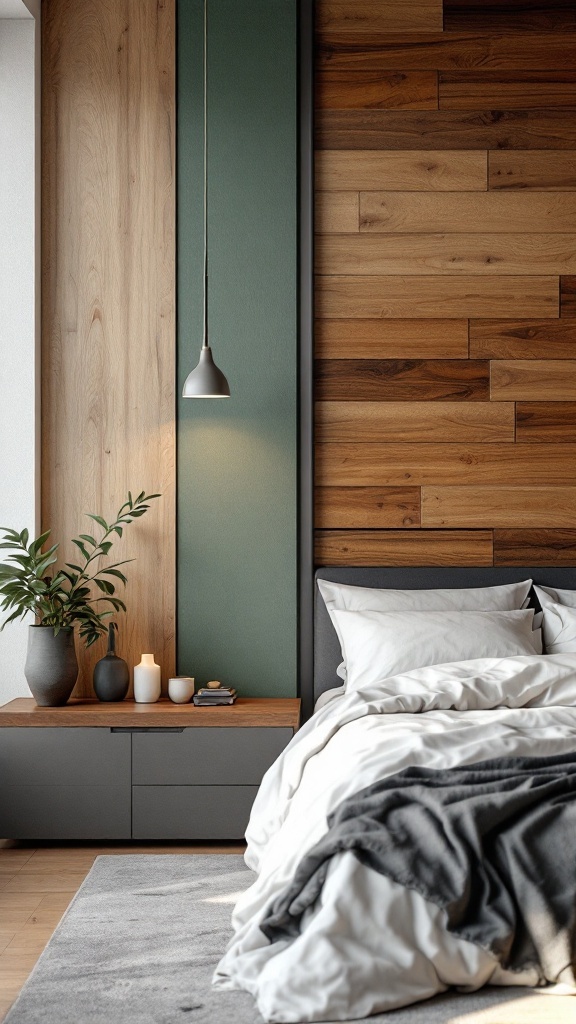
[[111, 675], [51, 668]]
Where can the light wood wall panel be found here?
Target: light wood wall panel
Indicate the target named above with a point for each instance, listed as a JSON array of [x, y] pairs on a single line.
[[385, 339], [461, 266], [465, 295], [419, 421], [108, 367], [465, 212], [435, 253], [545, 171], [417, 171]]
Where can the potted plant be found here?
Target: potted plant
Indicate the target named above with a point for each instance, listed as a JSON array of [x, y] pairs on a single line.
[[82, 592]]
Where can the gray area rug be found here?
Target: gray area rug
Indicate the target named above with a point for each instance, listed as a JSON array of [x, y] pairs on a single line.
[[140, 941]]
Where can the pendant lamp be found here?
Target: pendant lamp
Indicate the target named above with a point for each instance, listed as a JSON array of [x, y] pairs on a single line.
[[206, 380]]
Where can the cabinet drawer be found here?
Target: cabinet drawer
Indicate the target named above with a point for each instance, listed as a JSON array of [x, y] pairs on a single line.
[[191, 812], [63, 757], [66, 812], [199, 756]]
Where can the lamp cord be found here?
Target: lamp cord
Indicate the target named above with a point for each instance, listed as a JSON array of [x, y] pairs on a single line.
[[205, 86]]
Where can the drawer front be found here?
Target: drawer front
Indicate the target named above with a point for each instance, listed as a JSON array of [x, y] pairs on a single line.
[[66, 812], [210, 757], [63, 757], [191, 812]]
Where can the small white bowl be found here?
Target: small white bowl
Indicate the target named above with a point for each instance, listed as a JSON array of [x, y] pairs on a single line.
[[181, 689]]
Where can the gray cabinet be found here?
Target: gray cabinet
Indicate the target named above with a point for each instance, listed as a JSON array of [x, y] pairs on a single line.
[[102, 783], [65, 784]]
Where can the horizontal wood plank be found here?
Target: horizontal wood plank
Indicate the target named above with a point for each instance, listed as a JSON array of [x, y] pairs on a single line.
[[403, 547], [447, 51], [486, 90], [518, 212], [414, 170], [336, 212], [531, 380], [522, 339], [339, 17], [518, 507], [446, 465], [544, 170], [365, 507], [348, 380], [427, 422], [381, 90], [391, 339], [247, 711], [451, 253], [568, 296], [541, 128], [543, 421], [509, 15], [535, 547], [433, 296]]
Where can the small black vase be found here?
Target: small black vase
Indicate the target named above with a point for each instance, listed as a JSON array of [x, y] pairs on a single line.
[[111, 675]]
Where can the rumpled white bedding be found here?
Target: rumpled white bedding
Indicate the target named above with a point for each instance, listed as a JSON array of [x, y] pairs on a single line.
[[370, 945]]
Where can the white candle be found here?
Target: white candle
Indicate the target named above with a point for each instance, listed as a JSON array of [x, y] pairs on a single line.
[[147, 680]]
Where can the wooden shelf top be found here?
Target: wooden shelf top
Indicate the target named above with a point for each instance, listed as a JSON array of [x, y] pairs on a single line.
[[247, 711]]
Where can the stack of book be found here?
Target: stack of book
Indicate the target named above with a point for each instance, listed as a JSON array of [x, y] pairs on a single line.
[[209, 697]]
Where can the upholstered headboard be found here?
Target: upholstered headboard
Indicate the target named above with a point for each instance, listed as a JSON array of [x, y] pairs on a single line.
[[327, 654]]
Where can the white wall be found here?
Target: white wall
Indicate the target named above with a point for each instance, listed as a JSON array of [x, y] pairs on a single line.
[[18, 310]]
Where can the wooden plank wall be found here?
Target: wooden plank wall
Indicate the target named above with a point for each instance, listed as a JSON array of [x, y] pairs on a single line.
[[446, 287], [108, 364]]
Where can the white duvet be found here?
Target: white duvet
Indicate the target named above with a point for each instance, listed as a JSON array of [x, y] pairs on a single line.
[[369, 945]]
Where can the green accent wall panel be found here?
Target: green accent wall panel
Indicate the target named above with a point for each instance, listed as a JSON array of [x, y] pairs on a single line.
[[237, 457]]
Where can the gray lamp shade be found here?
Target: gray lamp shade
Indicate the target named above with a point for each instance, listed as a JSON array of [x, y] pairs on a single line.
[[206, 380]]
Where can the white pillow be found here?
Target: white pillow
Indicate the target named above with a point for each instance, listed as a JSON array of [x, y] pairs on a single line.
[[548, 596], [509, 597], [377, 645], [559, 625]]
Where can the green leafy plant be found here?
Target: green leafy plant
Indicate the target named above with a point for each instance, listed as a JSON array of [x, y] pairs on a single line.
[[75, 592]]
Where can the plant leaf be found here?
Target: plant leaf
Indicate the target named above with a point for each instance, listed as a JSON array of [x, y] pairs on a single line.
[[115, 572], [98, 519], [80, 545], [36, 545], [89, 540]]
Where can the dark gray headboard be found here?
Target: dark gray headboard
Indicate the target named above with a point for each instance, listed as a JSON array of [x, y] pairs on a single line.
[[327, 654]]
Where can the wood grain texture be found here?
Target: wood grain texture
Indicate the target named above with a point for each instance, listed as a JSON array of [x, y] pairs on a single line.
[[539, 128], [108, 293], [446, 465], [336, 211], [339, 17], [348, 380], [426, 422], [403, 547], [531, 380], [246, 712], [380, 90], [435, 253], [515, 90], [517, 507], [365, 507], [546, 421], [522, 339], [446, 51], [518, 212], [534, 547], [385, 339], [433, 296], [416, 170], [544, 170], [568, 296], [509, 15]]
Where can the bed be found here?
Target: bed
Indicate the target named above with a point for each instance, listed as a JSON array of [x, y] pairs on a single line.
[[417, 833]]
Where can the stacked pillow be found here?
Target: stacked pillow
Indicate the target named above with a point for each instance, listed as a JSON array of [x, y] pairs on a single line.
[[383, 632], [559, 624]]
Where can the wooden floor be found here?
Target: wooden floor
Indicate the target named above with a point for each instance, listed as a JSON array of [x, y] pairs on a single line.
[[38, 882], [36, 885]]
